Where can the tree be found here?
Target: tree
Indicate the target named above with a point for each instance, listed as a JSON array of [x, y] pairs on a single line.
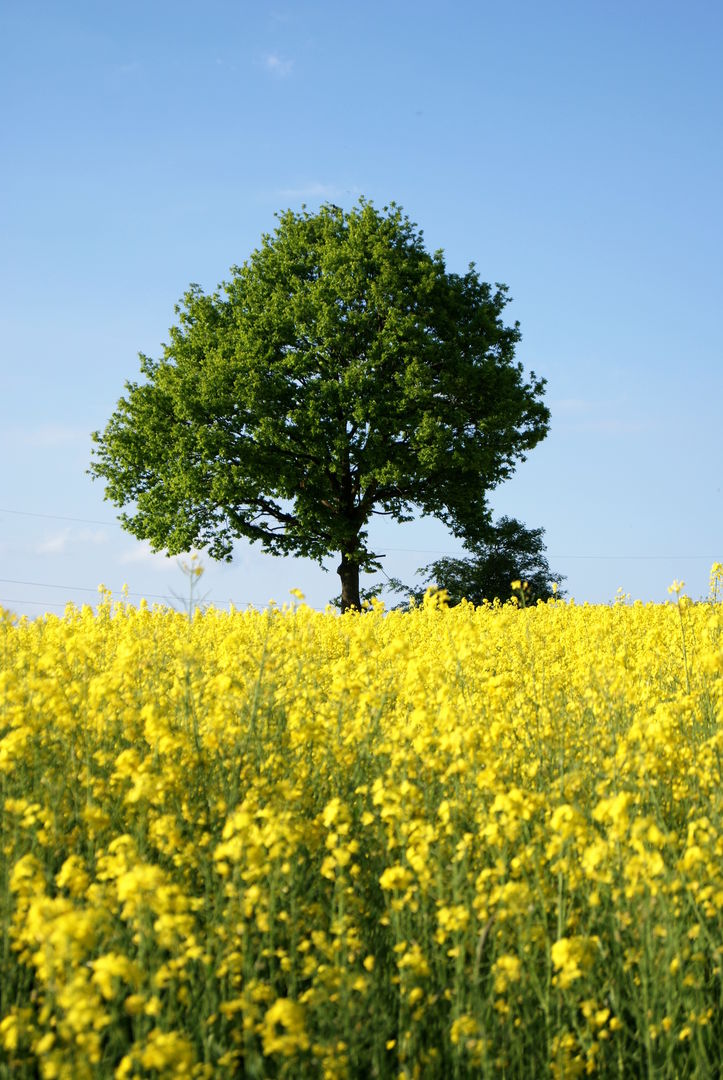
[[341, 373], [507, 552]]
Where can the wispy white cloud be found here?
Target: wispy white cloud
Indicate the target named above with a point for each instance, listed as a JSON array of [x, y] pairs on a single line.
[[278, 66], [614, 425], [571, 406], [602, 417], [316, 190], [313, 190], [68, 539], [142, 555], [46, 436], [56, 544], [92, 536]]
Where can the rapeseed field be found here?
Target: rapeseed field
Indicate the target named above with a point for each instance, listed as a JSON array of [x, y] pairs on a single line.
[[443, 843]]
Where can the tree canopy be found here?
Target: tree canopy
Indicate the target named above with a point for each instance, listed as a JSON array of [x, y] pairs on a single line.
[[342, 372], [508, 552]]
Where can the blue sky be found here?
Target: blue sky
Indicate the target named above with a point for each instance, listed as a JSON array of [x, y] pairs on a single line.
[[571, 150]]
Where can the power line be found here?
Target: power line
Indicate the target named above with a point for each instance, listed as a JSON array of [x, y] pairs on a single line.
[[75, 588], [237, 604], [35, 603], [462, 554], [56, 517], [644, 557], [403, 550], [86, 588]]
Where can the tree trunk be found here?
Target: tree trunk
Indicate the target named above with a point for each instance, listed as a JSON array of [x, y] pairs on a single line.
[[348, 571]]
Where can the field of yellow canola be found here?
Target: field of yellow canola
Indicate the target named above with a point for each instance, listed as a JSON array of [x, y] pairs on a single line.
[[444, 843]]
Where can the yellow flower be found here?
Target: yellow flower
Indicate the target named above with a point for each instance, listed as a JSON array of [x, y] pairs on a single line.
[[111, 967], [455, 917], [396, 877], [414, 961], [167, 1050], [331, 812], [283, 1031], [506, 969], [572, 958], [73, 876], [10, 1029], [463, 1027]]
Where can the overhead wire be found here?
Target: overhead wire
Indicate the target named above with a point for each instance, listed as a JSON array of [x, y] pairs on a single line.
[[389, 550], [403, 550], [75, 588], [35, 603], [55, 517]]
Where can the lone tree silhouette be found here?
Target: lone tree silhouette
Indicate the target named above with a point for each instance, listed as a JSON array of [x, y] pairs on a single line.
[[341, 373]]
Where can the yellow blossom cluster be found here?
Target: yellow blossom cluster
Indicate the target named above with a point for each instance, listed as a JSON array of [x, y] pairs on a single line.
[[461, 842]]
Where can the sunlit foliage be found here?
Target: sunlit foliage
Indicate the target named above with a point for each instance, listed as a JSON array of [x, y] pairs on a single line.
[[442, 843]]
